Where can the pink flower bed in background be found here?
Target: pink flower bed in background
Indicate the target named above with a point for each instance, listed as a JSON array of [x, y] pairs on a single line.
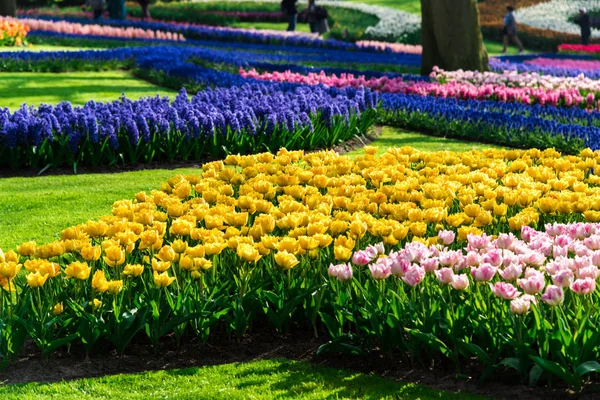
[[580, 48], [564, 97], [565, 63], [94, 30], [516, 79], [394, 47]]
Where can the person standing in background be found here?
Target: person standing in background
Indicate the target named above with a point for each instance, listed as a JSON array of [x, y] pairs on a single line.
[[510, 30], [97, 7], [317, 18], [288, 7], [583, 20]]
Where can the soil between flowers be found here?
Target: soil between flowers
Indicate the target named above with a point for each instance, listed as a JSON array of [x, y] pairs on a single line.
[[259, 345]]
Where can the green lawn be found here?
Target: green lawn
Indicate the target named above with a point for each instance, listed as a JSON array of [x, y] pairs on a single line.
[[278, 26], [76, 87], [39, 208], [266, 379], [412, 6], [396, 137]]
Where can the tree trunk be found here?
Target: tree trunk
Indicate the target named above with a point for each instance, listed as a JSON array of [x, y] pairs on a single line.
[[8, 8], [116, 9], [145, 9], [452, 36]]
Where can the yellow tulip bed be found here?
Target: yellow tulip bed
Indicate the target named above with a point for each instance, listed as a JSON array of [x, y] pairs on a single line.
[[249, 240]]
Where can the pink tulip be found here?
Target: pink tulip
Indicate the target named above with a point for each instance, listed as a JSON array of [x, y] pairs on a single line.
[[361, 258], [563, 278], [553, 295], [588, 272], [583, 286], [484, 273], [520, 306], [533, 283], [445, 275], [447, 237], [512, 272], [344, 273], [504, 290], [414, 275], [381, 269], [399, 264], [460, 282], [430, 264]]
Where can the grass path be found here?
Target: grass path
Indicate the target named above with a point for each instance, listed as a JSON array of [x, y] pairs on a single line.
[[34, 88], [266, 379], [39, 208]]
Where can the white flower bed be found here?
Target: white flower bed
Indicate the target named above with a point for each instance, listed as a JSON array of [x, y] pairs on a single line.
[[554, 15], [392, 23]]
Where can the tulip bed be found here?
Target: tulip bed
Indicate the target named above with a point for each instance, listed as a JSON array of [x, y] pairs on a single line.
[[12, 33], [257, 240]]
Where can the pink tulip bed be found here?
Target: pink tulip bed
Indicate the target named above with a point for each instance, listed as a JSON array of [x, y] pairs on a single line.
[[580, 48], [523, 301], [65, 27], [586, 65], [561, 97]]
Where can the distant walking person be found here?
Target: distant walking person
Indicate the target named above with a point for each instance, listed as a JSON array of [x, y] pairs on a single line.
[[317, 18], [583, 20], [510, 30], [97, 7], [288, 7]]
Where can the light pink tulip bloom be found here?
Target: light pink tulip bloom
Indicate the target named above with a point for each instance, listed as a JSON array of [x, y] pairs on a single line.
[[447, 237], [430, 264], [484, 273], [504, 290], [460, 282], [361, 258], [533, 283], [414, 275], [583, 286], [512, 272], [588, 272], [520, 306], [493, 257], [344, 273], [381, 269], [505, 241], [553, 296], [563, 278], [399, 265], [445, 275]]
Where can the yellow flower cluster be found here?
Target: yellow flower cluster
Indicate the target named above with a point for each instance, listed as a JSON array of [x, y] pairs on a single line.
[[294, 205]]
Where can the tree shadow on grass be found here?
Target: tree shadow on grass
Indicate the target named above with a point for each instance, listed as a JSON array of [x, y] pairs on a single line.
[[286, 379]]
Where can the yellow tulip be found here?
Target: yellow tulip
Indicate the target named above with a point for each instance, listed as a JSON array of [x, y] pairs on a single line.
[[342, 253], [27, 249], [99, 282], [133, 270], [163, 280], [114, 287], [78, 270], [286, 260], [91, 253], [166, 253], [160, 266], [36, 280], [248, 252], [9, 269]]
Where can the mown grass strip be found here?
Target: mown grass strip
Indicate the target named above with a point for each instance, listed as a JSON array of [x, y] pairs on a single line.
[[266, 379]]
